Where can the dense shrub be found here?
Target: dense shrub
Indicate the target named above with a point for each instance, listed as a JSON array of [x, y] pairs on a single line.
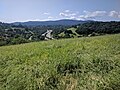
[[68, 68]]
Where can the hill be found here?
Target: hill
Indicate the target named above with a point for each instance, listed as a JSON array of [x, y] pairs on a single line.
[[65, 22], [88, 63], [16, 34]]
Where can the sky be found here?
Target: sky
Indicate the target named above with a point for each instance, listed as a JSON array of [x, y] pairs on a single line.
[[43, 10]]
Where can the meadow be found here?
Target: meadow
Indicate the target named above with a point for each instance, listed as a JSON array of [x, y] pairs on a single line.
[[86, 63]]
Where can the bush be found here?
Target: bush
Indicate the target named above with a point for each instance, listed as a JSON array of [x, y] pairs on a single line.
[[51, 82], [68, 68]]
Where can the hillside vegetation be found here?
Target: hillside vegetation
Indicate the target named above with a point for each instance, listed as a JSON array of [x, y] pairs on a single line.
[[11, 34], [87, 63]]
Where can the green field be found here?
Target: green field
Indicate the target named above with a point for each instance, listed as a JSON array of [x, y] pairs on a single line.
[[88, 63]]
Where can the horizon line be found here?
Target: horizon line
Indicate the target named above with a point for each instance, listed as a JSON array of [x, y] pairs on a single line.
[[58, 20]]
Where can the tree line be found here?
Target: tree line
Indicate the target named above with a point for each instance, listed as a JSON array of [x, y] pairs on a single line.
[[99, 28]]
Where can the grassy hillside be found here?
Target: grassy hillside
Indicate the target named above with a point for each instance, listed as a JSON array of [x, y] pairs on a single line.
[[89, 63], [74, 31]]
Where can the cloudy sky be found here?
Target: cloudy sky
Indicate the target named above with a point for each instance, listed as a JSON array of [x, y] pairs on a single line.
[[42, 10]]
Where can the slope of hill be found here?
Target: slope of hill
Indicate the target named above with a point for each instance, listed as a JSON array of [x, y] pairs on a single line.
[[69, 64], [57, 22]]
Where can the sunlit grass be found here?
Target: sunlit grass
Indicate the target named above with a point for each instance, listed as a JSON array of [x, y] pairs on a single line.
[[89, 63]]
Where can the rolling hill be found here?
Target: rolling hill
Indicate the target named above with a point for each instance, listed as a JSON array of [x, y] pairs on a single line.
[[88, 63], [57, 22]]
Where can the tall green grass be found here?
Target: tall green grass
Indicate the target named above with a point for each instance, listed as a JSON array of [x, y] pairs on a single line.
[[89, 63]]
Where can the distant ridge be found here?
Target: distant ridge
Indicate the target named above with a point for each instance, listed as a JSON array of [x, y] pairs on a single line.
[[57, 22]]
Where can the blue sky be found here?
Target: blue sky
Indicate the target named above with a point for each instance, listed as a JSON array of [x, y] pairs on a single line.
[[42, 10]]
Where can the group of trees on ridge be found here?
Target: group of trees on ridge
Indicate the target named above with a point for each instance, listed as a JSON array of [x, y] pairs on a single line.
[[99, 27], [17, 34]]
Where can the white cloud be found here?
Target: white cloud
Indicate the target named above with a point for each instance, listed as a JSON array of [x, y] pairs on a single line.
[[31, 20], [68, 13], [91, 15], [50, 17], [63, 14], [46, 13], [114, 14], [72, 14], [72, 17], [67, 10], [86, 15]]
